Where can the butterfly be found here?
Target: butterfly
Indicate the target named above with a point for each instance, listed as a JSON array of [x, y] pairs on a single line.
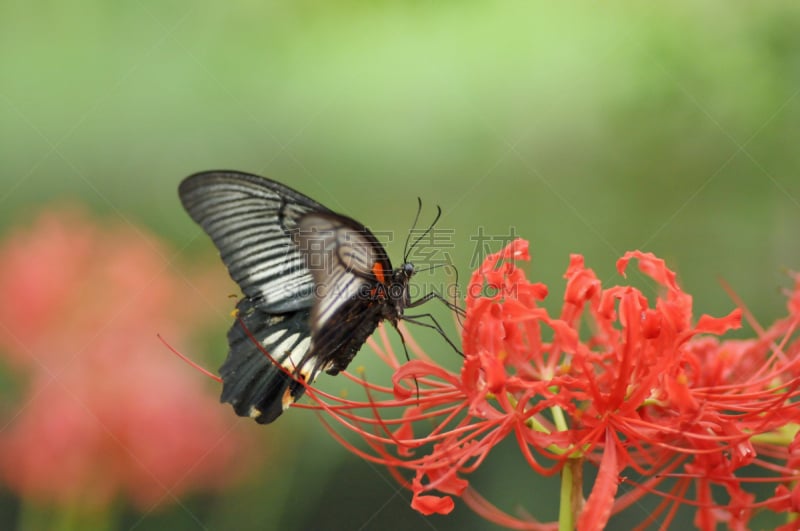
[[316, 285]]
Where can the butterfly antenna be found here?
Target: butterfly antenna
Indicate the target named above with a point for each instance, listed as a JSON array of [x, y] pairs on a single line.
[[427, 231], [430, 268], [406, 250]]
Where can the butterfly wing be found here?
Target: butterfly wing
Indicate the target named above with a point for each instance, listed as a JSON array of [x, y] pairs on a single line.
[[265, 349], [350, 270], [250, 219], [313, 282]]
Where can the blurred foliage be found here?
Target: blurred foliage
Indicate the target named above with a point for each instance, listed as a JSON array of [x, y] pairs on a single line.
[[589, 128]]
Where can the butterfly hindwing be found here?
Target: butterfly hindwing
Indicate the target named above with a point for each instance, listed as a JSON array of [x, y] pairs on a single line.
[[265, 349], [250, 219]]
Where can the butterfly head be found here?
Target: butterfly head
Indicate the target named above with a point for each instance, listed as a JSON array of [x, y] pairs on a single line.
[[406, 270], [398, 291]]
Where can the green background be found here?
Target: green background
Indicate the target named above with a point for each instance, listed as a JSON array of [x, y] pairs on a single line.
[[589, 128]]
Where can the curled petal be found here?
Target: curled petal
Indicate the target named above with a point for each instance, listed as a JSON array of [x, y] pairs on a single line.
[[677, 389], [651, 324], [582, 283], [428, 504], [446, 480], [651, 266], [516, 250], [494, 370], [719, 325]]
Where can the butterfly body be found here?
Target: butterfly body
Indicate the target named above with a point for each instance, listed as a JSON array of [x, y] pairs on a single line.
[[316, 284]]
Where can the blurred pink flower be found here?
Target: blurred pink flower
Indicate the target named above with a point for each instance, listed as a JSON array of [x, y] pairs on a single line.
[[105, 410]]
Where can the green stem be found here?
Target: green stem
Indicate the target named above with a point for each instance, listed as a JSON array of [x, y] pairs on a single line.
[[559, 419], [571, 494]]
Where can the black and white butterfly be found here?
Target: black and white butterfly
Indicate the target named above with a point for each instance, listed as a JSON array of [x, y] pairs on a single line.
[[316, 284]]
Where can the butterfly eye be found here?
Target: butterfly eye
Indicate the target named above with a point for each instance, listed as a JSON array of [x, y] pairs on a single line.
[[408, 269]]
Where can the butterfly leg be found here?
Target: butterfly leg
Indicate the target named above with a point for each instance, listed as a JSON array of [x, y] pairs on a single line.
[[433, 325], [433, 295]]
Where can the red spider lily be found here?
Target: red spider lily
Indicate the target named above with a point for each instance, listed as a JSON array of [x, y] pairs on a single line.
[[633, 385], [101, 413]]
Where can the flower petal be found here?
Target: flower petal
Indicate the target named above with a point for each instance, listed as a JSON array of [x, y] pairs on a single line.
[[428, 504]]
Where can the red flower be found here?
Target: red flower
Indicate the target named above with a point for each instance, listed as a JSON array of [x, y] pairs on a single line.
[[106, 412], [636, 386]]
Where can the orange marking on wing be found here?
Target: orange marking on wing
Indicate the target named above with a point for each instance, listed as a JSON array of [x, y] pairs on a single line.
[[287, 399], [378, 271]]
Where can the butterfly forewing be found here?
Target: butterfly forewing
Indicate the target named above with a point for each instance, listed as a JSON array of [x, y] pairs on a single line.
[[349, 267], [345, 260], [250, 219]]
